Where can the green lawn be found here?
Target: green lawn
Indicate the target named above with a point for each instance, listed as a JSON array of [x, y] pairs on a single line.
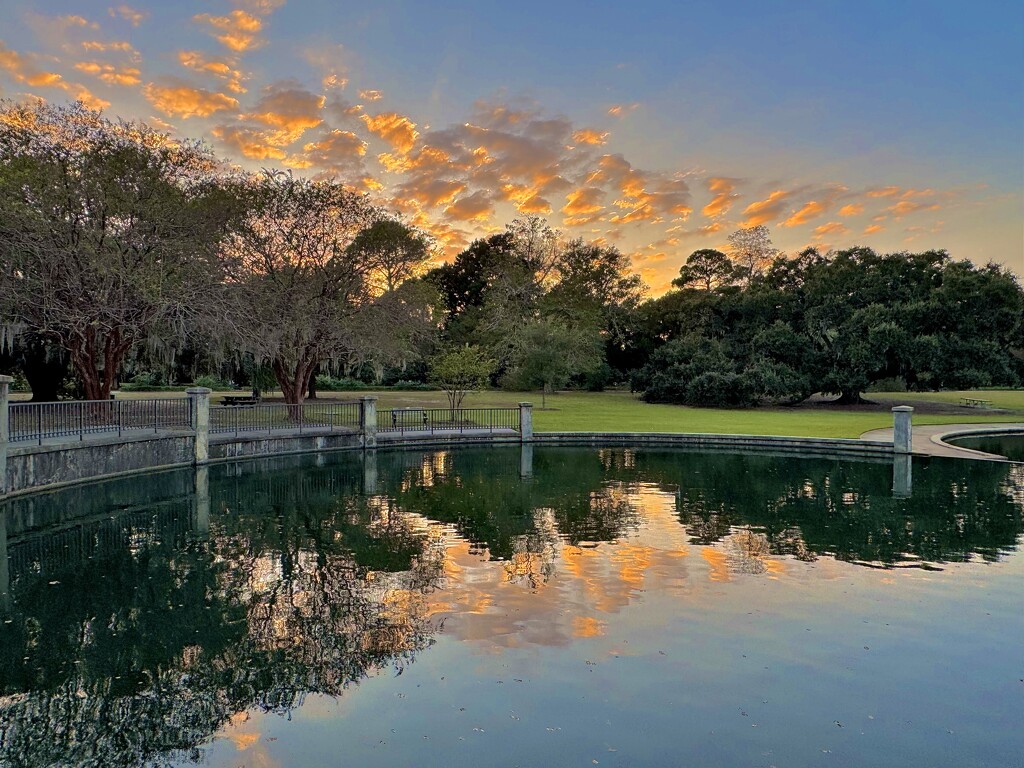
[[623, 412]]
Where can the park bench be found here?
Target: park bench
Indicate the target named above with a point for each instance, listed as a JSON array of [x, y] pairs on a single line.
[[408, 417], [239, 400], [974, 402]]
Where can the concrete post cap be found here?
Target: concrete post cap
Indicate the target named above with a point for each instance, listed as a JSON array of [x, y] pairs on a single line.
[[903, 409], [198, 391], [526, 405], [6, 379], [368, 397]]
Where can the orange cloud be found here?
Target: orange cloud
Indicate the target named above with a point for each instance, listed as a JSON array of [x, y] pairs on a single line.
[[371, 95], [110, 74], [723, 199], [620, 110], [249, 143], [767, 210], [590, 136], [583, 206], [198, 62], [904, 207], [474, 207], [77, 21], [873, 228], [831, 228], [238, 30], [852, 209], [177, 99], [129, 14], [289, 111], [23, 70], [118, 46], [809, 211], [397, 130], [337, 151]]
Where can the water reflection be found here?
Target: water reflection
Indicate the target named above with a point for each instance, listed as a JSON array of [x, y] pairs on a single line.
[[134, 631]]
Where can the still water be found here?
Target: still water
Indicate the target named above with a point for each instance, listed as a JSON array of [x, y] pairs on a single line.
[[550, 607], [1010, 446]]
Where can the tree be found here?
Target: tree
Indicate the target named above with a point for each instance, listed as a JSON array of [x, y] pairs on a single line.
[[752, 250], [460, 371], [295, 284], [706, 269], [552, 354], [108, 232], [394, 249]]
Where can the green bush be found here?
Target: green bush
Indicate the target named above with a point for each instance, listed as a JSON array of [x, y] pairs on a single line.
[[215, 383], [412, 386], [327, 383]]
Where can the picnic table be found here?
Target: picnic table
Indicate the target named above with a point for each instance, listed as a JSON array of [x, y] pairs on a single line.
[[239, 400], [974, 402]]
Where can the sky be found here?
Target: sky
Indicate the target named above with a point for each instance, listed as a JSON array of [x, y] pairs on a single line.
[[656, 127]]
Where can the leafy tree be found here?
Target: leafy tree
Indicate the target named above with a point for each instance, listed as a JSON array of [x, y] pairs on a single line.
[[296, 285], [108, 234], [460, 371], [552, 354], [706, 269], [394, 249]]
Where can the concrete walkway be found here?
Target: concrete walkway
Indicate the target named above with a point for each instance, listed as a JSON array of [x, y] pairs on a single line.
[[928, 438]]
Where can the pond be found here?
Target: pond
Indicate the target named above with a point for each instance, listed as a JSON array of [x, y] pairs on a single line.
[[518, 607], [1010, 446]]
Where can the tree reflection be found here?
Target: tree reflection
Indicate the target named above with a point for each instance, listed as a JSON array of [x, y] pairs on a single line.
[[133, 633], [139, 648]]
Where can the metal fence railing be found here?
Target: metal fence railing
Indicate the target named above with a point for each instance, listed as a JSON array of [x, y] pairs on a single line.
[[267, 417], [447, 419], [78, 418]]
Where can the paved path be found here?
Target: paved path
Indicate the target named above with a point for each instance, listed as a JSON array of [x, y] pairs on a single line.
[[927, 440]]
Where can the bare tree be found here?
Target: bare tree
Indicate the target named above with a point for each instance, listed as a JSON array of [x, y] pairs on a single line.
[[752, 250], [107, 235]]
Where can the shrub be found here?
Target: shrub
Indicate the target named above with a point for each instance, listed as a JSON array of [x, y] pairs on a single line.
[[328, 383]]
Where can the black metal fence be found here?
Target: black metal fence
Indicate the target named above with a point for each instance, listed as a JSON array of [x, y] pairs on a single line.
[[267, 417], [447, 420], [78, 418]]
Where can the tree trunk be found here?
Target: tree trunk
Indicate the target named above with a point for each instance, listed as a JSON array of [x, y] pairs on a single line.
[[311, 388], [850, 397], [294, 382], [95, 367], [44, 366]]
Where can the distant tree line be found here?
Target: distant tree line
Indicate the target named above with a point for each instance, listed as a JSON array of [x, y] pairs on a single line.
[[129, 256]]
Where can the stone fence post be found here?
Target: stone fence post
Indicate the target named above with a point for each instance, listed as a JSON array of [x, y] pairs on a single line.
[[902, 429], [5, 393], [200, 399], [368, 420], [526, 422]]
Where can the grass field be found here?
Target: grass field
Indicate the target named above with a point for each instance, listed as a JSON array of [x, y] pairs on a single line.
[[623, 412]]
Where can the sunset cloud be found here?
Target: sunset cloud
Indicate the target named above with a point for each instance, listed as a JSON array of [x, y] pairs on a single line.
[[337, 151], [474, 207], [238, 31], [723, 190], [178, 99], [23, 69], [873, 229], [620, 110], [590, 136], [767, 210], [247, 142], [397, 130], [129, 14], [371, 95], [289, 110], [583, 206], [110, 74], [116, 46], [810, 210], [831, 228], [853, 209], [220, 68]]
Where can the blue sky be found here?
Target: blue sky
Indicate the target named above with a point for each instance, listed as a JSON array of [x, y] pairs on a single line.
[[658, 127]]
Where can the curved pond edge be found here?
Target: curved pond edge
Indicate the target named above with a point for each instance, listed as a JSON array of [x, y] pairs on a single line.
[[941, 439], [48, 467]]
